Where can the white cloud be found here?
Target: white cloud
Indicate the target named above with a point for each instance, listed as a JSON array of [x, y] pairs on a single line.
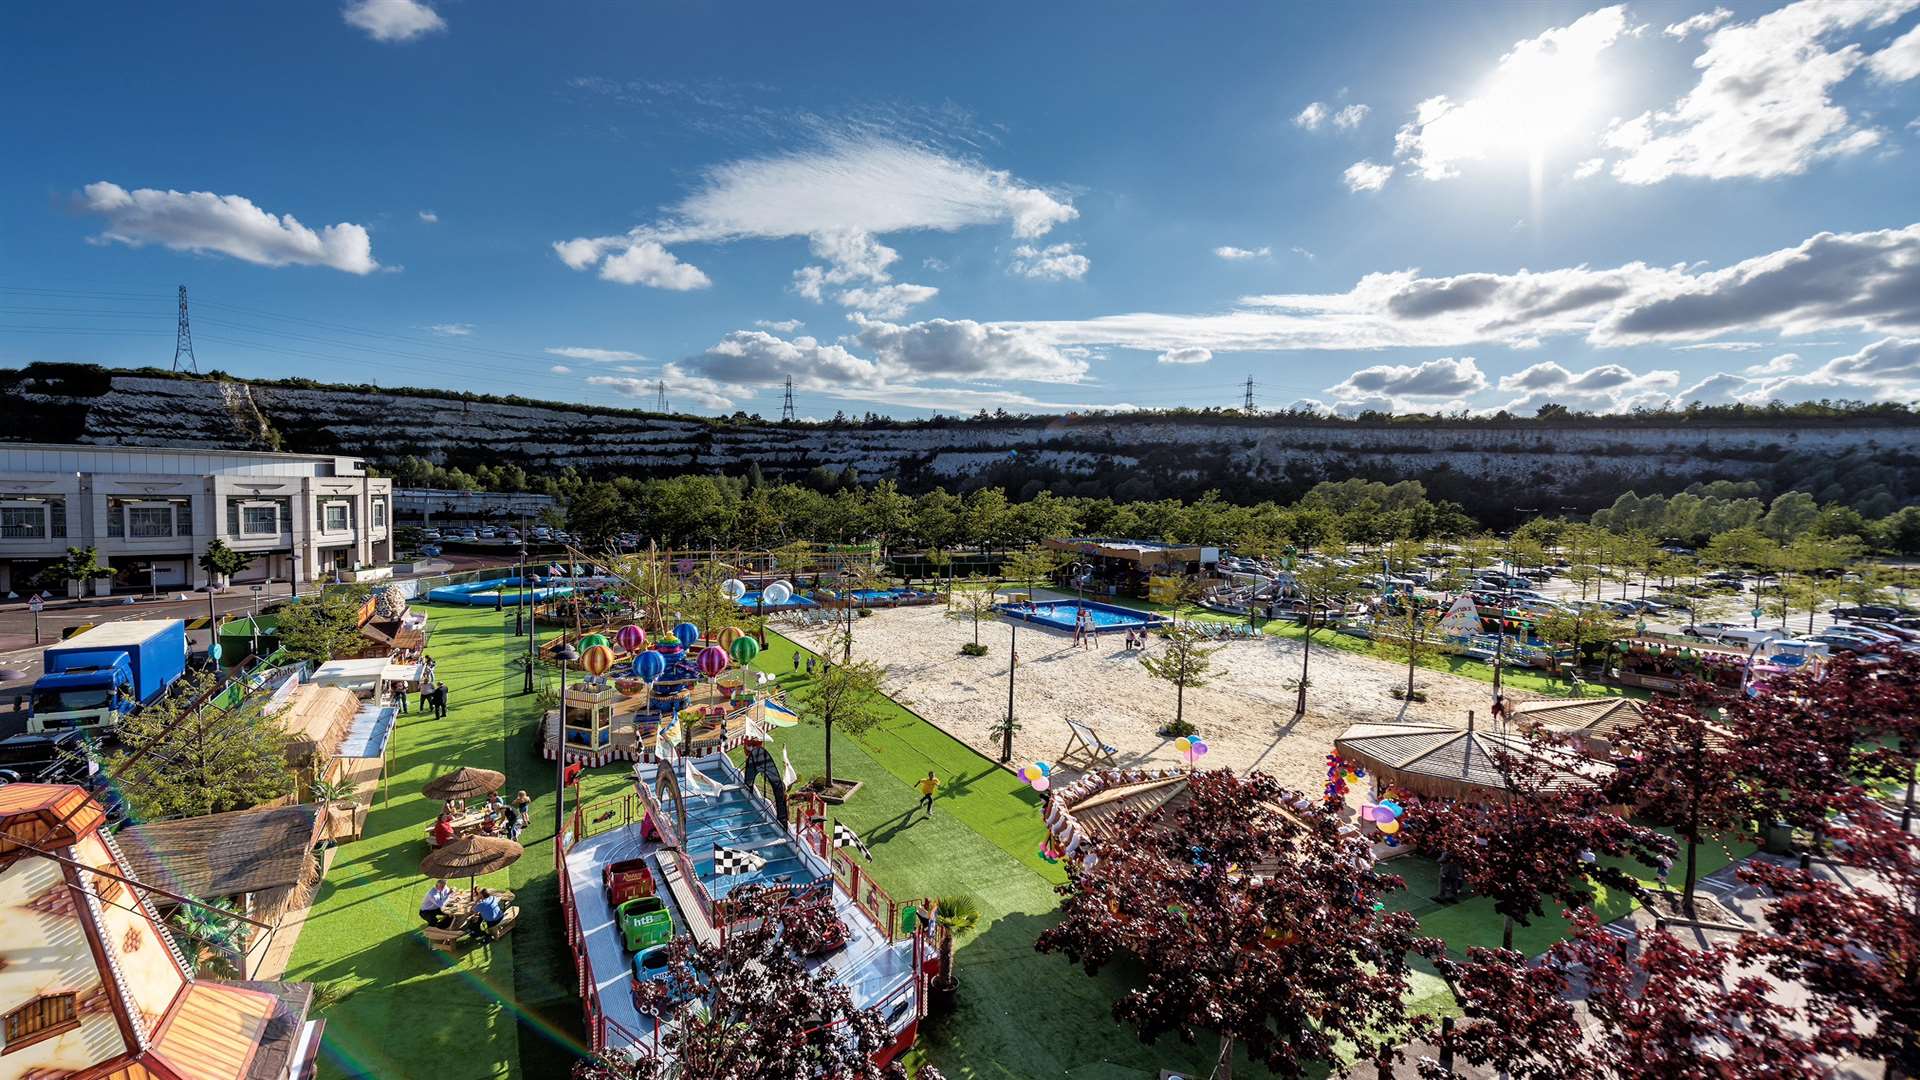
[[1779, 365], [1055, 262], [647, 263], [1697, 24], [1350, 117], [1833, 282], [1228, 251], [781, 326], [429, 217], [683, 389], [1367, 176], [1899, 61], [840, 194], [1302, 252], [1312, 116], [1762, 107], [393, 20], [598, 356], [886, 301], [1589, 168], [1193, 355], [1722, 346], [1545, 90], [964, 349], [458, 329], [201, 221], [1443, 378], [1886, 370], [933, 264], [561, 369]]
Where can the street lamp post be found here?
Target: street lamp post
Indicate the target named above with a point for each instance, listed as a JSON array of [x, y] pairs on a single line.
[[1013, 661], [533, 637], [520, 599], [566, 654]]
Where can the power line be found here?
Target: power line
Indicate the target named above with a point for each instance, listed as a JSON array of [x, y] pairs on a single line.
[[786, 407], [660, 399], [1249, 402], [183, 341]]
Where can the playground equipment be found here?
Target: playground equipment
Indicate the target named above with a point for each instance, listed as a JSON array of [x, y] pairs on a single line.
[[644, 921]]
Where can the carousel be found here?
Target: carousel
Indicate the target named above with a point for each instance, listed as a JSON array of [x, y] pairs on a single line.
[[696, 692]]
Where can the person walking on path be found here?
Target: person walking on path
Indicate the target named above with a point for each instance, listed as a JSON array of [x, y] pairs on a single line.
[[440, 701], [796, 661], [927, 787], [400, 698]]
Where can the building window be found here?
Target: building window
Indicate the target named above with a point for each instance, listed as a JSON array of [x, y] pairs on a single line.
[[379, 513], [57, 517], [42, 1018], [149, 522], [23, 521], [258, 520], [335, 517]]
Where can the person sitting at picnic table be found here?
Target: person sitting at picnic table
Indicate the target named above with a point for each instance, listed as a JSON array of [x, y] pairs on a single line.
[[489, 823], [496, 805], [443, 831], [488, 910], [433, 906]]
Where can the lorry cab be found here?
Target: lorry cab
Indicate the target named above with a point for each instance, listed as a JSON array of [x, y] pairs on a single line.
[[97, 677], [83, 698]]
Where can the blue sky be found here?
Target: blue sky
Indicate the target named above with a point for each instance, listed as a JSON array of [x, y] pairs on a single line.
[[1039, 207]]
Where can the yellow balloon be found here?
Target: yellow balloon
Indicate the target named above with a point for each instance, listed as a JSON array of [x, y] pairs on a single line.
[[597, 660], [1389, 827], [728, 636]]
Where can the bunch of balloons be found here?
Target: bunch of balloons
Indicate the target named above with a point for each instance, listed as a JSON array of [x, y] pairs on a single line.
[[1338, 777], [1385, 816], [1192, 746], [1039, 775]]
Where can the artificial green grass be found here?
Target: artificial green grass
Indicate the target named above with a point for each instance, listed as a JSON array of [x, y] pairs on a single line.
[[408, 1010], [511, 1010]]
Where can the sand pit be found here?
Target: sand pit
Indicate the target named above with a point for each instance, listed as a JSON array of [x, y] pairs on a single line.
[[1245, 712]]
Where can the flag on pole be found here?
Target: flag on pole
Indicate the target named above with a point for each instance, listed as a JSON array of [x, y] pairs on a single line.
[[735, 861], [698, 782], [845, 837], [779, 715], [787, 775]]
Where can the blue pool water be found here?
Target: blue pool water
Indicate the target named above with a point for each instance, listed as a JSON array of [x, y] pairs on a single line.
[[752, 600], [870, 595], [1060, 615]]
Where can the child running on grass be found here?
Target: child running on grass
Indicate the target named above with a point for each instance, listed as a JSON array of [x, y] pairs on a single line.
[[927, 787]]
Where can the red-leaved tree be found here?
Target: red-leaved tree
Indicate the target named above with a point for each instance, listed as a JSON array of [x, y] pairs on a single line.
[[1544, 837], [1852, 940], [750, 1008], [1673, 1010], [1256, 915], [1678, 767]]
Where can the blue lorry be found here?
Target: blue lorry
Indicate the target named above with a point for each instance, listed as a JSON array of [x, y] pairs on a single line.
[[98, 676]]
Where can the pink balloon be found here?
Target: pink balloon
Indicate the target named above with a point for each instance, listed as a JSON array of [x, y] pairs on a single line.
[[1041, 784]]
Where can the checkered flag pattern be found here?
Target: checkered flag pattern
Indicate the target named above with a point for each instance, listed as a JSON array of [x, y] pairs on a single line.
[[735, 861], [845, 837]]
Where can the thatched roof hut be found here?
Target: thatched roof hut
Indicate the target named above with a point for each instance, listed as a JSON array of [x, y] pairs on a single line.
[[1589, 724], [1452, 763], [316, 719], [1092, 807], [265, 852]]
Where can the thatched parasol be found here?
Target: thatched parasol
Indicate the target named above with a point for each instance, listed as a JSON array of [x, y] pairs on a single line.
[[470, 857], [464, 783], [1451, 763]]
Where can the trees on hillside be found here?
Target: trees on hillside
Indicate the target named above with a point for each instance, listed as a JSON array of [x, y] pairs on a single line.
[[1294, 962]]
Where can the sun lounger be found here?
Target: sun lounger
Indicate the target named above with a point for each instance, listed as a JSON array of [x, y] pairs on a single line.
[[1085, 750]]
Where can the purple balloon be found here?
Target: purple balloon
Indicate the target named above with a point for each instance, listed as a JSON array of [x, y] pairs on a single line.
[[713, 661], [631, 638]]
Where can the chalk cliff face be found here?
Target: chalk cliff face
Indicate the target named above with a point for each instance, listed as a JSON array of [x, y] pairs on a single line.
[[49, 403]]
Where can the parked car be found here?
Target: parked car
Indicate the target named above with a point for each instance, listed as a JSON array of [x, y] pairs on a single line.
[[1846, 643], [1901, 632], [1867, 611], [1731, 634]]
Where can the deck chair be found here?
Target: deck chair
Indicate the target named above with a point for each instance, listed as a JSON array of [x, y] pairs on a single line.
[[1085, 750]]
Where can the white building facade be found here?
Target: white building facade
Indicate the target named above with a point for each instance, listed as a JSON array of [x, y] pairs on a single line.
[[151, 512]]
